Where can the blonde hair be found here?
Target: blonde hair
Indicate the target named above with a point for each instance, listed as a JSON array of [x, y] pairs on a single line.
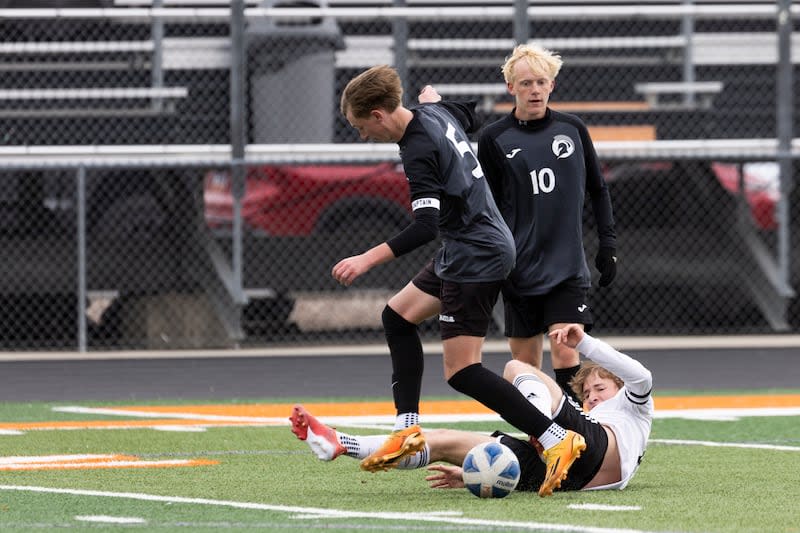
[[539, 59], [376, 88], [589, 368]]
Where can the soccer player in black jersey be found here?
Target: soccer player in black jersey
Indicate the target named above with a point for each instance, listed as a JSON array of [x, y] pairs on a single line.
[[449, 197], [539, 164]]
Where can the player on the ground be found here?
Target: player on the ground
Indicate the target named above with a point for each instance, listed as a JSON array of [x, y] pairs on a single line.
[[540, 164], [450, 198], [616, 421]]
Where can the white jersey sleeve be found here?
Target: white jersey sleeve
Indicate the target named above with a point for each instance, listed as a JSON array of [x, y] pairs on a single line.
[[629, 413]]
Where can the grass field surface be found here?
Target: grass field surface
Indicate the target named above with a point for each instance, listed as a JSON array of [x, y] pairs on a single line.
[[715, 463]]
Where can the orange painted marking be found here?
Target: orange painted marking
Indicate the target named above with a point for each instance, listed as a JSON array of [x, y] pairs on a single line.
[[56, 462], [110, 464], [457, 406], [321, 409], [642, 132], [281, 412], [722, 402]]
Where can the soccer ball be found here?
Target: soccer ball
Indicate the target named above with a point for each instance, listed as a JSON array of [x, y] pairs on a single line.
[[491, 470]]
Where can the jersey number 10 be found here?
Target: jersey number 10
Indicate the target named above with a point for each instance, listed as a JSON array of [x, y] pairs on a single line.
[[543, 180]]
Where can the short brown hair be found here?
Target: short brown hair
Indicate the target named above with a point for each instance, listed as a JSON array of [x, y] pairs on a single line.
[[377, 88], [587, 369]]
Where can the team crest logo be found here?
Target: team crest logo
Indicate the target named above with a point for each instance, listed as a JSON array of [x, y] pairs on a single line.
[[562, 146]]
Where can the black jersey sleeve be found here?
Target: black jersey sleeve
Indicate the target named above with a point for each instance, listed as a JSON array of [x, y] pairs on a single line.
[[598, 193], [423, 229], [464, 112]]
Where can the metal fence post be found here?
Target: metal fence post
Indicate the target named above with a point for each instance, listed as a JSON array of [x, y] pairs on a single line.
[[521, 26], [157, 59], [80, 193], [784, 126], [400, 35], [238, 134], [687, 29]]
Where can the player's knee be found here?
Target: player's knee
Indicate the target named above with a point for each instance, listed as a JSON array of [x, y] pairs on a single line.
[[528, 357], [514, 368], [394, 324]]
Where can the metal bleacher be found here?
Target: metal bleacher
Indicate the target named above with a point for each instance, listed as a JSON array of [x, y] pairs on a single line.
[[624, 123], [89, 100]]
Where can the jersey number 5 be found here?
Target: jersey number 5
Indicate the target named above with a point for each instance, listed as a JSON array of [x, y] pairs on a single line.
[[463, 147]]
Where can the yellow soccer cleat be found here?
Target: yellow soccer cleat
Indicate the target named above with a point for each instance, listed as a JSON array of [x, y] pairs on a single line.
[[559, 459], [400, 444]]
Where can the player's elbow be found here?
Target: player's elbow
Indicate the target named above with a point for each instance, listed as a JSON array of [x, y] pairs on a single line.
[[645, 382], [430, 233]]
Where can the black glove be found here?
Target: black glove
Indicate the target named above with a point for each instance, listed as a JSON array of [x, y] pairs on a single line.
[[606, 263]]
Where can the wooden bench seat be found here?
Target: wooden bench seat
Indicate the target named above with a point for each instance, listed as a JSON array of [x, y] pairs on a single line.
[[635, 132]]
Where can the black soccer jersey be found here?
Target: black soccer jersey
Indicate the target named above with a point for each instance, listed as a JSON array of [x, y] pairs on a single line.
[[444, 173], [539, 172]]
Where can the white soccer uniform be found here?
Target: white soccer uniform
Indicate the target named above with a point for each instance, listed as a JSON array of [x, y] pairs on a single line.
[[629, 413]]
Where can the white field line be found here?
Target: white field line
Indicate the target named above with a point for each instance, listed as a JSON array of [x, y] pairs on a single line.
[[21, 459], [153, 414], [776, 447], [300, 512], [179, 429], [103, 519], [386, 422], [720, 414], [603, 507]]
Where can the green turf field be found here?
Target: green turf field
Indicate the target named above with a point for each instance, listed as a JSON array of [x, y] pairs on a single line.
[[744, 477]]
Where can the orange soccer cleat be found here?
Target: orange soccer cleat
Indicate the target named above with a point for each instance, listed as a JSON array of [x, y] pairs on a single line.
[[398, 445], [559, 459]]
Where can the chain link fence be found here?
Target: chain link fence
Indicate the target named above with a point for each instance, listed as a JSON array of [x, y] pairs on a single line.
[[177, 175]]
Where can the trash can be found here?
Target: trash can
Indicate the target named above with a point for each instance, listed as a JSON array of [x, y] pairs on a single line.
[[292, 81]]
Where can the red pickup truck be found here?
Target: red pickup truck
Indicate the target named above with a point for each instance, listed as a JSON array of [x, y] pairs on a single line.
[[300, 200]]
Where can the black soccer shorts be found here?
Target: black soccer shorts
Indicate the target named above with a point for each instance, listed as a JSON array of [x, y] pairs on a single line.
[[528, 316], [466, 307]]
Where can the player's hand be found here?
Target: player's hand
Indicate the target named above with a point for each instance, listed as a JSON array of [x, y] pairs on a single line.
[[347, 270], [428, 95], [448, 477], [570, 335], [606, 263]]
